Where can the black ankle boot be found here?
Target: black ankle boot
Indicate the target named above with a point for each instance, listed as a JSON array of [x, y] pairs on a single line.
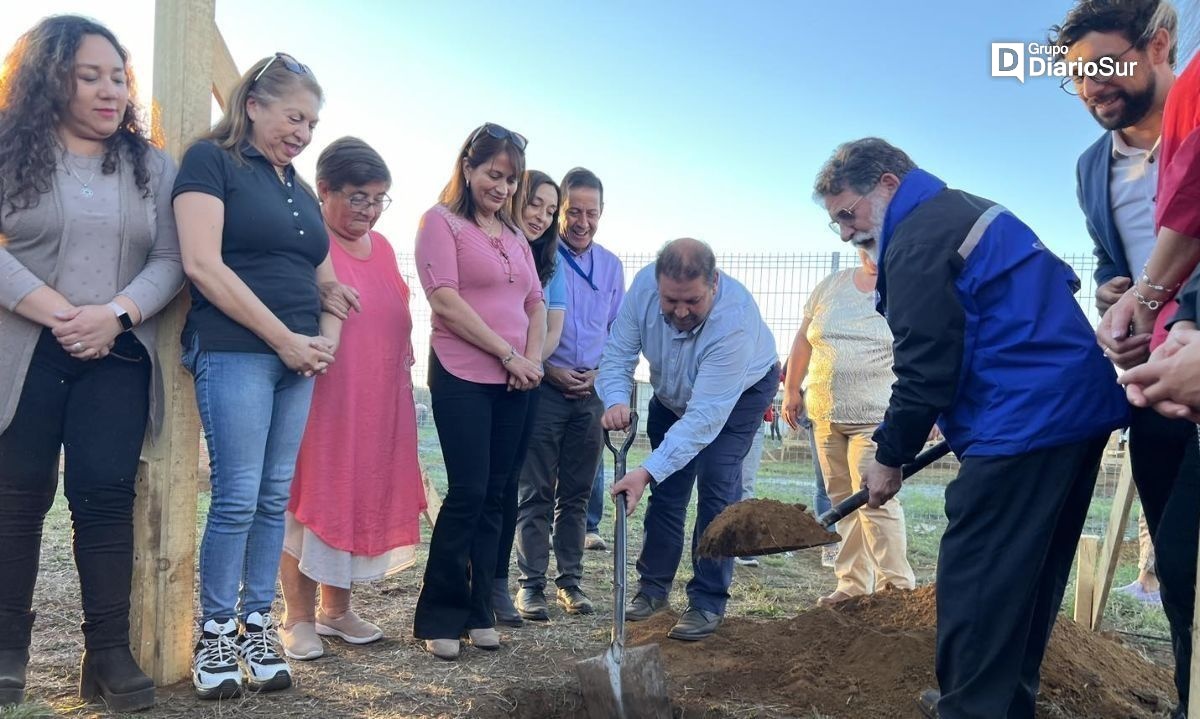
[[12, 675], [114, 676], [502, 605]]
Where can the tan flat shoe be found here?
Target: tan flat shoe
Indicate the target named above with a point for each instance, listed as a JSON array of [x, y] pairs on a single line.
[[350, 627], [487, 638], [834, 599], [447, 649]]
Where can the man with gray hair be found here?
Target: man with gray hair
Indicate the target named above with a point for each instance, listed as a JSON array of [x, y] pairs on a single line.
[[990, 344], [714, 371]]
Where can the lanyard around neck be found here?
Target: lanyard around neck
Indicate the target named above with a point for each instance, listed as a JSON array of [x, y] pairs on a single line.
[[566, 255]]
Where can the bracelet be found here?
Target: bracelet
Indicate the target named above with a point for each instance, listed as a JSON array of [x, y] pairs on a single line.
[[1152, 305], [512, 355], [1158, 288]]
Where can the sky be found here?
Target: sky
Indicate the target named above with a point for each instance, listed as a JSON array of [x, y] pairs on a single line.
[[703, 118]]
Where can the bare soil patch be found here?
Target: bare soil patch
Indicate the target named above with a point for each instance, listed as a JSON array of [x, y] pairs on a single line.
[[872, 656]]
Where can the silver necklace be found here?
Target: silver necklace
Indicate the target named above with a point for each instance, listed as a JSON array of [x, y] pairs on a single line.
[[85, 185]]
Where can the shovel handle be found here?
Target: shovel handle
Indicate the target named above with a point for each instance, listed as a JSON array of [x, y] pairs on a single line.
[[859, 498], [620, 452], [620, 538]]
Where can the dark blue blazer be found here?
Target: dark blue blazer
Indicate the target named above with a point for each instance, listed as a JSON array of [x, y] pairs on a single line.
[[1092, 188]]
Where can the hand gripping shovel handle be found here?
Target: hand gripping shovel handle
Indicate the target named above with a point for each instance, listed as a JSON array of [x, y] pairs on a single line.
[[619, 541], [859, 498]]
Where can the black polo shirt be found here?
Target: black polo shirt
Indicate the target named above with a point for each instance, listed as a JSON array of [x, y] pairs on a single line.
[[273, 239]]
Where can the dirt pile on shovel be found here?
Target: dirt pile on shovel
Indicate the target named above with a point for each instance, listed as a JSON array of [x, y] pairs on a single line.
[[762, 526], [871, 657]]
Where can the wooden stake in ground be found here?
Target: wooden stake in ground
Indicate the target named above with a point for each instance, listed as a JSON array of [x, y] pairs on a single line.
[[1085, 579], [1114, 537], [161, 617]]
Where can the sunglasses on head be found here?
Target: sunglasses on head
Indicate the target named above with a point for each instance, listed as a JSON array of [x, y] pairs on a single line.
[[500, 133], [287, 61]]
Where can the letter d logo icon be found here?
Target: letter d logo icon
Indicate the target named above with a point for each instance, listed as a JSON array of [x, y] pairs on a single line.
[[1008, 60]]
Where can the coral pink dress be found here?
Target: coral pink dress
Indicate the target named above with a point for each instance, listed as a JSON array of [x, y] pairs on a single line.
[[357, 495]]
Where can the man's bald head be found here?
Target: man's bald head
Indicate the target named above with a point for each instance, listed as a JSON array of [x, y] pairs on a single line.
[[686, 259]]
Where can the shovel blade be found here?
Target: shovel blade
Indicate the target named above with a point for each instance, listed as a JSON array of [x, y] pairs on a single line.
[[636, 688]]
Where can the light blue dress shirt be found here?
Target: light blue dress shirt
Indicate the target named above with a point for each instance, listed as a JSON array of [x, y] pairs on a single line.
[[699, 375]]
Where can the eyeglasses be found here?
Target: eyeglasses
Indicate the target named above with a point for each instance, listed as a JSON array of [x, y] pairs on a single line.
[[288, 61], [1072, 83], [844, 216], [360, 201], [500, 133]]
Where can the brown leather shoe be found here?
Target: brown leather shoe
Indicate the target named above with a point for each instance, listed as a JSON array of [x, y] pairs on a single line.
[[574, 601]]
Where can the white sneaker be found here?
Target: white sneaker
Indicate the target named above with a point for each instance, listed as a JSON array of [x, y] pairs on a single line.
[[258, 648], [215, 671], [746, 561]]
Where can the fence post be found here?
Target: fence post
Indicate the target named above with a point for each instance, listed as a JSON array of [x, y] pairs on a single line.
[[835, 262]]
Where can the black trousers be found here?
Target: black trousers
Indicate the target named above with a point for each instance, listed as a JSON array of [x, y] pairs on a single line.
[[1014, 523], [480, 429], [508, 524], [1165, 460], [96, 412]]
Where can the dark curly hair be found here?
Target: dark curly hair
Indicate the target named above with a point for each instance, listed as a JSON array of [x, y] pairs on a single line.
[[37, 82], [1135, 20]]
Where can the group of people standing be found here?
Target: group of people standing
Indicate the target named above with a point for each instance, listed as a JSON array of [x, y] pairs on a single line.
[[101, 232], [296, 304]]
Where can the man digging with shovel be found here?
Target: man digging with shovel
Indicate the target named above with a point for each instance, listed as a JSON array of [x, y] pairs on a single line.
[[714, 371], [989, 341]]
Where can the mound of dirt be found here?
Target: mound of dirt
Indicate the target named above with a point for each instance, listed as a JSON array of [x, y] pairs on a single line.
[[762, 526], [872, 656]]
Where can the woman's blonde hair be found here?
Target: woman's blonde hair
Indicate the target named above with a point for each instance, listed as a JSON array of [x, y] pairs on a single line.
[[267, 81]]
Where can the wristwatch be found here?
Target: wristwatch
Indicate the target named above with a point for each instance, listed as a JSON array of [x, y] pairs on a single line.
[[122, 316]]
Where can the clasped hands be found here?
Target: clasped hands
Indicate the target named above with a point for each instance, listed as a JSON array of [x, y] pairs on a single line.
[[86, 332]]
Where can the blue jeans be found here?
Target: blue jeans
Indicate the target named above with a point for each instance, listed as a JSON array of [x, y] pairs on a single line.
[[821, 501], [595, 511], [254, 410], [717, 473]]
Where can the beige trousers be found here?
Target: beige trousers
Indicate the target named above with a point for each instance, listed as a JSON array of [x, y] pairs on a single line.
[[874, 546]]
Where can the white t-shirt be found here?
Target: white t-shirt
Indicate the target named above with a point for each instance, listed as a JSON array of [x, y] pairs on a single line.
[[850, 374], [1132, 184]]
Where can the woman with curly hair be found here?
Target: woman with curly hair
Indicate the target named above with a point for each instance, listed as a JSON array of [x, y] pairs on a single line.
[[91, 258]]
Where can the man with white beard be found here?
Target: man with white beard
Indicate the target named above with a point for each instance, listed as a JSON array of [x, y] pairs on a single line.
[[990, 344]]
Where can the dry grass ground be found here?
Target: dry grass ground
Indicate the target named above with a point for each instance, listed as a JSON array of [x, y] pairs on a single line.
[[532, 675]]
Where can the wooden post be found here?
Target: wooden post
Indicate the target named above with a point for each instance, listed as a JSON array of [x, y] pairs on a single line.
[[433, 501], [162, 617], [224, 72], [1114, 537], [1085, 579]]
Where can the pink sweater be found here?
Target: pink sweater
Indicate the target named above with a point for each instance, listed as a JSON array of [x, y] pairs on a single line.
[[497, 278]]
